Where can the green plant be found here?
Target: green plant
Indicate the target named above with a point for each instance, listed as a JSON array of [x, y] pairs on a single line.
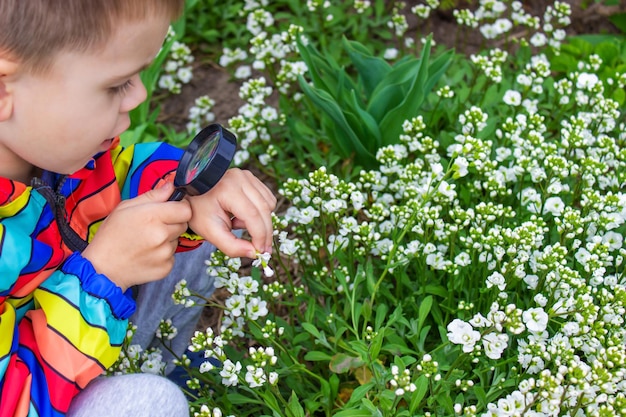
[[359, 116]]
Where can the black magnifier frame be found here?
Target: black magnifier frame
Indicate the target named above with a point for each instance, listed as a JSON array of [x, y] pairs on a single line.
[[204, 162]]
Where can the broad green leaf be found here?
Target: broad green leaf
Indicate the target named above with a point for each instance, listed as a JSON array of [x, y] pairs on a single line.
[[393, 88], [345, 138], [409, 107], [619, 95], [371, 69], [619, 20], [371, 132]]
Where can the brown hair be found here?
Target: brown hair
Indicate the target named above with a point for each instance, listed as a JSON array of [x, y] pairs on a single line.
[[33, 31]]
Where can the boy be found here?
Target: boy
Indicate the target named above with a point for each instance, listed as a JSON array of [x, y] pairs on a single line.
[[69, 75]]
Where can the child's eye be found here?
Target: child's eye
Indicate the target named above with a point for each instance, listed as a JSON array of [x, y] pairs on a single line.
[[122, 88]]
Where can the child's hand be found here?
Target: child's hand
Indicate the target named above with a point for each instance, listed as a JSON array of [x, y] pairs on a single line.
[[137, 241], [238, 201]]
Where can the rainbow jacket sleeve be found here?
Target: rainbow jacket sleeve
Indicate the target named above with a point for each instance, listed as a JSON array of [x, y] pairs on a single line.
[[61, 323]]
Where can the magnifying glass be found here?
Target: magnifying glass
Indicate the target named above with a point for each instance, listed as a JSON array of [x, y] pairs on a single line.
[[204, 162]]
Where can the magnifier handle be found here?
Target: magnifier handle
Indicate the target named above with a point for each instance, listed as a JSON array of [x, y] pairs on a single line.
[[177, 195]]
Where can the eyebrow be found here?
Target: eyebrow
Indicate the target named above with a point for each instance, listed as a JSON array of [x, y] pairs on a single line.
[[129, 75]]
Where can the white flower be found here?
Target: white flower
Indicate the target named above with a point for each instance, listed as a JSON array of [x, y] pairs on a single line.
[[613, 240], [459, 167], [495, 344], [554, 205], [586, 81], [256, 308], [262, 260], [390, 53], [447, 190], [496, 279], [462, 259], [255, 377], [235, 304], [462, 333], [536, 319], [230, 373], [538, 39], [512, 98], [243, 72]]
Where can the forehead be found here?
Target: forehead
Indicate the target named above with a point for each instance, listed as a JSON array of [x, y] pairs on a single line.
[[131, 46]]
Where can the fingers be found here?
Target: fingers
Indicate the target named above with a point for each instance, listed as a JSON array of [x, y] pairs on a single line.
[[238, 201], [156, 195], [254, 210]]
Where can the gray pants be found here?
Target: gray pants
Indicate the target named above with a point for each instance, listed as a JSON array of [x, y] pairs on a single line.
[[145, 394]]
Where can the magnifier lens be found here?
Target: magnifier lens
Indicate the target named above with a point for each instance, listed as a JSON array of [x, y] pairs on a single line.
[[202, 157], [205, 160]]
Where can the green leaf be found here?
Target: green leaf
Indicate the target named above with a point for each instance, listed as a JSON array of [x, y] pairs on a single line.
[[371, 136], [436, 289], [619, 95], [371, 69], [316, 355], [381, 315], [345, 139], [426, 78], [358, 394], [619, 20], [310, 328], [393, 88], [353, 413], [421, 387], [294, 409], [320, 68], [424, 310]]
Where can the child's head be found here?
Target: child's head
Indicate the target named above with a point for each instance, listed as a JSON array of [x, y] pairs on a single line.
[[69, 76], [33, 31]]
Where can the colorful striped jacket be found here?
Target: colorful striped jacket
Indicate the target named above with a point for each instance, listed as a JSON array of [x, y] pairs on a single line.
[[61, 323]]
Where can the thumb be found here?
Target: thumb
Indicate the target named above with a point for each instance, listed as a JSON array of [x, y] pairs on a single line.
[[156, 195]]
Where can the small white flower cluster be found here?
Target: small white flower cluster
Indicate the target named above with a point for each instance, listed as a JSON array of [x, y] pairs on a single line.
[[423, 11], [245, 301], [166, 330], [177, 67], [200, 114], [429, 367], [254, 117], [133, 358], [491, 65], [496, 19], [182, 294], [401, 381], [360, 6], [206, 411], [257, 373], [398, 23]]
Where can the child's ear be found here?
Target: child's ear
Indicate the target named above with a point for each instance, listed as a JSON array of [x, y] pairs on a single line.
[[7, 69]]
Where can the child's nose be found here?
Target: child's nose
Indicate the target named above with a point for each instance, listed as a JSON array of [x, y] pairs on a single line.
[[134, 96]]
